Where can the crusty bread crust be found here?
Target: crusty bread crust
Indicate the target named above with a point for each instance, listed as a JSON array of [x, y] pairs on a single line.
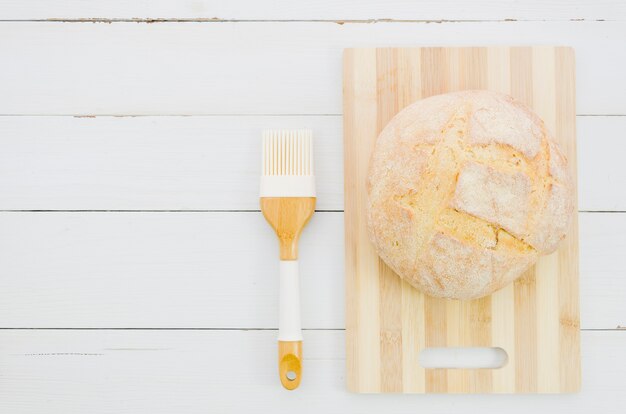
[[466, 190]]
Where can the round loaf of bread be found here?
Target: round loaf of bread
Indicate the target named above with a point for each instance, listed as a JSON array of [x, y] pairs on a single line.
[[466, 190]]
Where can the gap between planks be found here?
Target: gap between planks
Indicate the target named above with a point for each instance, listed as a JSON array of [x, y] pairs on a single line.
[[333, 21], [160, 329], [221, 115], [617, 329], [215, 211]]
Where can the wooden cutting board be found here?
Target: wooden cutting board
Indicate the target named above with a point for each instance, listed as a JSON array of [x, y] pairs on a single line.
[[388, 322]]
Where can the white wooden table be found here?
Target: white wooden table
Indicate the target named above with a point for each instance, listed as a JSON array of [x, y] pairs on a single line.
[[136, 272]]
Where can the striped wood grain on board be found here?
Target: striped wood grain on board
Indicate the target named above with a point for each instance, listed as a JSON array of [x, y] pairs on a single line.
[[536, 319]]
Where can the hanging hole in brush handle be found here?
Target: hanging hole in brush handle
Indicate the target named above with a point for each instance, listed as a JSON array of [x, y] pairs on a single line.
[[290, 363]]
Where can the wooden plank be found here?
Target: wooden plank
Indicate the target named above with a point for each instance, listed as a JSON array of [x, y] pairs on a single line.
[[358, 248], [161, 270], [153, 163], [597, 261], [424, 10], [390, 286], [545, 317], [207, 371], [568, 350], [502, 303], [554, 98], [206, 68], [171, 163], [158, 270], [598, 177], [412, 311]]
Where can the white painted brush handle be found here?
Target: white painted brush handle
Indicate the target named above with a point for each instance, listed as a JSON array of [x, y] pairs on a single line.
[[289, 328], [289, 332]]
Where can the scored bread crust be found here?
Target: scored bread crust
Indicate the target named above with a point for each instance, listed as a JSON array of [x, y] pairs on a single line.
[[466, 190]]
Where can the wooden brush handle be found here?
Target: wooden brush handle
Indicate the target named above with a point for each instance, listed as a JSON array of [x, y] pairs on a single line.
[[290, 363], [288, 216]]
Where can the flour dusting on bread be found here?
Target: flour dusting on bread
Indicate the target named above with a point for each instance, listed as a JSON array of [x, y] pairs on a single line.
[[466, 190]]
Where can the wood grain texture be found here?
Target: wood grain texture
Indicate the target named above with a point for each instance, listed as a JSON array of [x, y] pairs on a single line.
[[130, 163], [211, 10], [208, 68], [152, 163], [161, 372], [169, 269], [160, 270], [537, 318], [288, 216]]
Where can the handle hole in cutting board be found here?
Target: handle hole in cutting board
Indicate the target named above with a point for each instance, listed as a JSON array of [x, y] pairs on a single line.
[[460, 357]]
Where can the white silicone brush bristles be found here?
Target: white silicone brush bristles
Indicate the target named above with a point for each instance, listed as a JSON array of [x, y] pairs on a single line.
[[287, 164], [288, 152]]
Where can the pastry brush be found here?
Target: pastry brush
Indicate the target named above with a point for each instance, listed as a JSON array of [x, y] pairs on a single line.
[[288, 202]]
